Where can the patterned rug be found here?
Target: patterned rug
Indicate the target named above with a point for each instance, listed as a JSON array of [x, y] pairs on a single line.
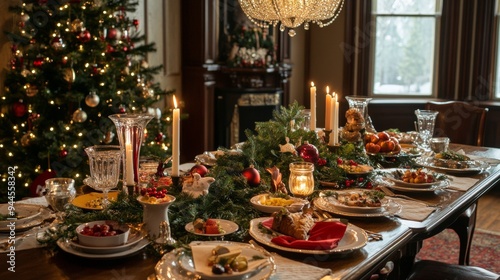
[[444, 247]]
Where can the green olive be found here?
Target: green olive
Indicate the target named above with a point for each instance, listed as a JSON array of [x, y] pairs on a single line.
[[239, 263]]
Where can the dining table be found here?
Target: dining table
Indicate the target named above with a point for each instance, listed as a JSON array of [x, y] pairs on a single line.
[[393, 249]]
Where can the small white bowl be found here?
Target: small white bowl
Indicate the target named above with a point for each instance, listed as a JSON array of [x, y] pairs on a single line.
[[103, 241]]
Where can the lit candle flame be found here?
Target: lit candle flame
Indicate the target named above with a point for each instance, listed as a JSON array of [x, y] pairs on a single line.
[[312, 84], [175, 102]]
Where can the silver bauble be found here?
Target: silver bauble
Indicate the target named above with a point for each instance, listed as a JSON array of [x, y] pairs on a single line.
[[92, 99], [79, 115]]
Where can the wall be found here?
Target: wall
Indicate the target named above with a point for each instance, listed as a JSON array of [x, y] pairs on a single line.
[[6, 23]]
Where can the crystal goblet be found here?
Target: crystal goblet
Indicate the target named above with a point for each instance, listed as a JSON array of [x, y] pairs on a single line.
[[60, 192], [104, 162], [425, 123]]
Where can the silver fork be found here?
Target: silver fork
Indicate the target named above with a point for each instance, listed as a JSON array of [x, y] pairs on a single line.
[[390, 193]]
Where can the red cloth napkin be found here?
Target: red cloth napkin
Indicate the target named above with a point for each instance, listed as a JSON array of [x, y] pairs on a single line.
[[322, 236]]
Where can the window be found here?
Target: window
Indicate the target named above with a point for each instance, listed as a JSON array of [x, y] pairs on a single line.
[[405, 47]]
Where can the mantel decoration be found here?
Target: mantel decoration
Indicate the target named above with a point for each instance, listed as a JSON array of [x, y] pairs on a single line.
[[291, 14], [230, 190]]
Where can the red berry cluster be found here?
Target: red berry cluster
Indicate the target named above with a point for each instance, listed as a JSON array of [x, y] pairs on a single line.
[[346, 162], [359, 182], [100, 230], [154, 192]]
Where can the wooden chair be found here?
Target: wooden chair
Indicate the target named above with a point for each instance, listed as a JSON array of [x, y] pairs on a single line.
[[426, 270], [460, 121], [463, 123]]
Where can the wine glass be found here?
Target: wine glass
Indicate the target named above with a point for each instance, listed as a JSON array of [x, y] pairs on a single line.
[[425, 122], [104, 162], [60, 192]]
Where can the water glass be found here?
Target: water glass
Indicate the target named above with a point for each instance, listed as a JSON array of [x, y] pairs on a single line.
[[439, 144], [425, 123], [104, 162], [60, 192]]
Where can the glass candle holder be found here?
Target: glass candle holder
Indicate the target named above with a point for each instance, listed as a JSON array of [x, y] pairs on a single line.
[[130, 131], [301, 181]]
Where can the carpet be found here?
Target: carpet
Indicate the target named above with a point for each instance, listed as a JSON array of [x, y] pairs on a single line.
[[444, 247]]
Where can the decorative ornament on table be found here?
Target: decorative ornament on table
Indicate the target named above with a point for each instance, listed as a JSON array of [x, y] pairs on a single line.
[[252, 175], [200, 169], [352, 131], [288, 147], [198, 186], [79, 115], [308, 152], [277, 185], [92, 99]]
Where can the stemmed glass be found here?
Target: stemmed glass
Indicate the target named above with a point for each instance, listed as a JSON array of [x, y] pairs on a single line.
[[104, 162], [425, 122]]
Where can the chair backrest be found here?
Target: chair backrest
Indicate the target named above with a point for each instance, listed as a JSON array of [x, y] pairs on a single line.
[[460, 121]]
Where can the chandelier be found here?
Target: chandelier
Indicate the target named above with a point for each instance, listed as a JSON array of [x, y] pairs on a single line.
[[291, 13]]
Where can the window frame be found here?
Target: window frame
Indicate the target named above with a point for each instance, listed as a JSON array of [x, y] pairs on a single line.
[[437, 29]]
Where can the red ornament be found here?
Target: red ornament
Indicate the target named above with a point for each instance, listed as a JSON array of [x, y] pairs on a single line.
[[19, 109], [38, 62], [110, 48], [37, 186], [252, 175], [135, 22], [63, 153], [159, 138], [200, 169], [122, 109], [308, 152], [84, 36], [112, 33]]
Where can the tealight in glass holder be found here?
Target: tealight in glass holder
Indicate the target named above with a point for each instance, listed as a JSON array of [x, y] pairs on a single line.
[[301, 181]]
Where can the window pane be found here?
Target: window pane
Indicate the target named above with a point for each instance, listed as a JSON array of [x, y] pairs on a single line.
[[404, 55], [405, 7]]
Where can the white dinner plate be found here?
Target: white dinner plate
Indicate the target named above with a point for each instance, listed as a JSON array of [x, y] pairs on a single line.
[[475, 166], [133, 239], [228, 227], [30, 223], [354, 239], [24, 213], [439, 186], [297, 205], [404, 184], [179, 264], [68, 248], [390, 209], [354, 209]]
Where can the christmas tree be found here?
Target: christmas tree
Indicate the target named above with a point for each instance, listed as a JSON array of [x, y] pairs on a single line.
[[73, 64]]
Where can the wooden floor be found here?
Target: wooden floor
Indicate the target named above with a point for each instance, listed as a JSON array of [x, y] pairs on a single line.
[[488, 215]]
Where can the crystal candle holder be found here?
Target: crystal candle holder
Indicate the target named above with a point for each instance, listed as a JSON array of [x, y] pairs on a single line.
[[130, 131]]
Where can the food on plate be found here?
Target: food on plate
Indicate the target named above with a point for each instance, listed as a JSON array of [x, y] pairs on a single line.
[[154, 195], [360, 198], [97, 203], [281, 201], [352, 166], [222, 260], [101, 230], [296, 224], [450, 159], [209, 226], [418, 176], [381, 142]]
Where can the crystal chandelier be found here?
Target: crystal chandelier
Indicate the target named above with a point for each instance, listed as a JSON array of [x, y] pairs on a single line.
[[291, 13]]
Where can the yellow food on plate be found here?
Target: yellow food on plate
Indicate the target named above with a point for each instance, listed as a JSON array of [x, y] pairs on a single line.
[[275, 201]]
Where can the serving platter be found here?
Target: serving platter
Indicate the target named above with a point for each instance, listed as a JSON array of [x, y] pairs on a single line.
[[354, 239], [228, 227], [389, 209], [179, 264], [439, 186]]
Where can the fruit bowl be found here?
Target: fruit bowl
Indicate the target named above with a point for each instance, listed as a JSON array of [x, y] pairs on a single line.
[[102, 234]]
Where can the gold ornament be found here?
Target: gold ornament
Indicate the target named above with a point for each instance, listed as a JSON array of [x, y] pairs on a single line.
[[108, 138], [69, 75], [92, 99], [25, 140], [31, 90], [77, 26], [79, 115]]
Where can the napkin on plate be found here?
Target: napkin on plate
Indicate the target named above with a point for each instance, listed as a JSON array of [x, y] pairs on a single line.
[[322, 236]]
